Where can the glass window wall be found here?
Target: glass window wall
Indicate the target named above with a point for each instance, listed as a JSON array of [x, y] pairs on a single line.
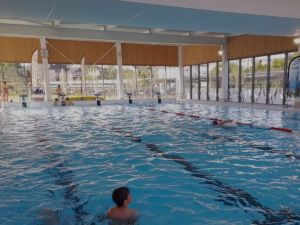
[[246, 80], [144, 82], [290, 100], [276, 79], [172, 74], [186, 82], [159, 80], [129, 81], [212, 67], [260, 84], [17, 77], [203, 82], [194, 82], [234, 80]]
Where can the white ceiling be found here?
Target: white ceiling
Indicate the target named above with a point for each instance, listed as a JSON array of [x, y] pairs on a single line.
[[278, 8]]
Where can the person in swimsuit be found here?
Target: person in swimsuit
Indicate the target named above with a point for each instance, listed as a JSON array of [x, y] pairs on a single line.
[[4, 92], [121, 213], [224, 123], [59, 91]]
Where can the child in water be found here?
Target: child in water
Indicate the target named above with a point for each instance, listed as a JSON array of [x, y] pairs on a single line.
[[69, 102], [121, 213], [55, 103]]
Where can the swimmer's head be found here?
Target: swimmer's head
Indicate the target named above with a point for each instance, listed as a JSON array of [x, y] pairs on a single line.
[[56, 99], [67, 99], [215, 122], [121, 195]]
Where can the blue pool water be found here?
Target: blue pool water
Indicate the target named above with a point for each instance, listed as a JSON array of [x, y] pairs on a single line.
[[59, 165]]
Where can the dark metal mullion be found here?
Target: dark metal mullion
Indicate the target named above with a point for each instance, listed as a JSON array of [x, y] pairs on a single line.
[[285, 78], [217, 83], [253, 80], [240, 81], [151, 81], [268, 80], [191, 82], [207, 82], [165, 84], [103, 85], [228, 79], [199, 83], [136, 83]]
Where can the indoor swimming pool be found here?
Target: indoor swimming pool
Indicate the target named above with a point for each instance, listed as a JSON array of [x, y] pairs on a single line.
[[59, 165]]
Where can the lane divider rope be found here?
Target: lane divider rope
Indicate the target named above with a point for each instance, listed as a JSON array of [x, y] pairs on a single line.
[[281, 129]]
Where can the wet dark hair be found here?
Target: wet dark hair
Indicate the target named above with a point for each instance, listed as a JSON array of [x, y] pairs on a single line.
[[67, 99], [215, 122], [56, 99], [119, 195]]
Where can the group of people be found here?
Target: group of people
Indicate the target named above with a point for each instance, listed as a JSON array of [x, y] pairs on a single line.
[[61, 100]]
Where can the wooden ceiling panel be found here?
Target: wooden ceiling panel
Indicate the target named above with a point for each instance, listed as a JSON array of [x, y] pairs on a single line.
[[17, 50], [198, 54], [149, 55], [249, 45], [72, 52]]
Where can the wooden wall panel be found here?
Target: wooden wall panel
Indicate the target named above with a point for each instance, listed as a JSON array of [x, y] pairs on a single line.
[[248, 45], [197, 54], [155, 55], [17, 50], [72, 52]]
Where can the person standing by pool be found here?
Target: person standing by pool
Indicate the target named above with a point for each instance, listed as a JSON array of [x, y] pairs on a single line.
[[59, 91], [121, 213], [60, 95], [4, 92]]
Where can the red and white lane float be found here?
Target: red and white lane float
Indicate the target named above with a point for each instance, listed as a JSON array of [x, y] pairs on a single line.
[[225, 123]]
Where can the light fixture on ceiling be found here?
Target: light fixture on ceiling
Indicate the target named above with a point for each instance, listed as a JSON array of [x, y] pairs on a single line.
[[297, 40], [220, 52]]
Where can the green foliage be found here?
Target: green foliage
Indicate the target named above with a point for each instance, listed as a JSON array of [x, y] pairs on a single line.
[[143, 72], [233, 69], [128, 74], [110, 72], [260, 66], [277, 65]]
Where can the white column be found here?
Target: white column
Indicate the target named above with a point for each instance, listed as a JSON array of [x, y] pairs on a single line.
[[83, 76], [225, 71], [180, 86], [45, 70], [120, 85]]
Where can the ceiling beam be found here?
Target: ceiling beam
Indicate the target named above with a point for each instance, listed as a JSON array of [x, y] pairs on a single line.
[[103, 35], [110, 27]]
